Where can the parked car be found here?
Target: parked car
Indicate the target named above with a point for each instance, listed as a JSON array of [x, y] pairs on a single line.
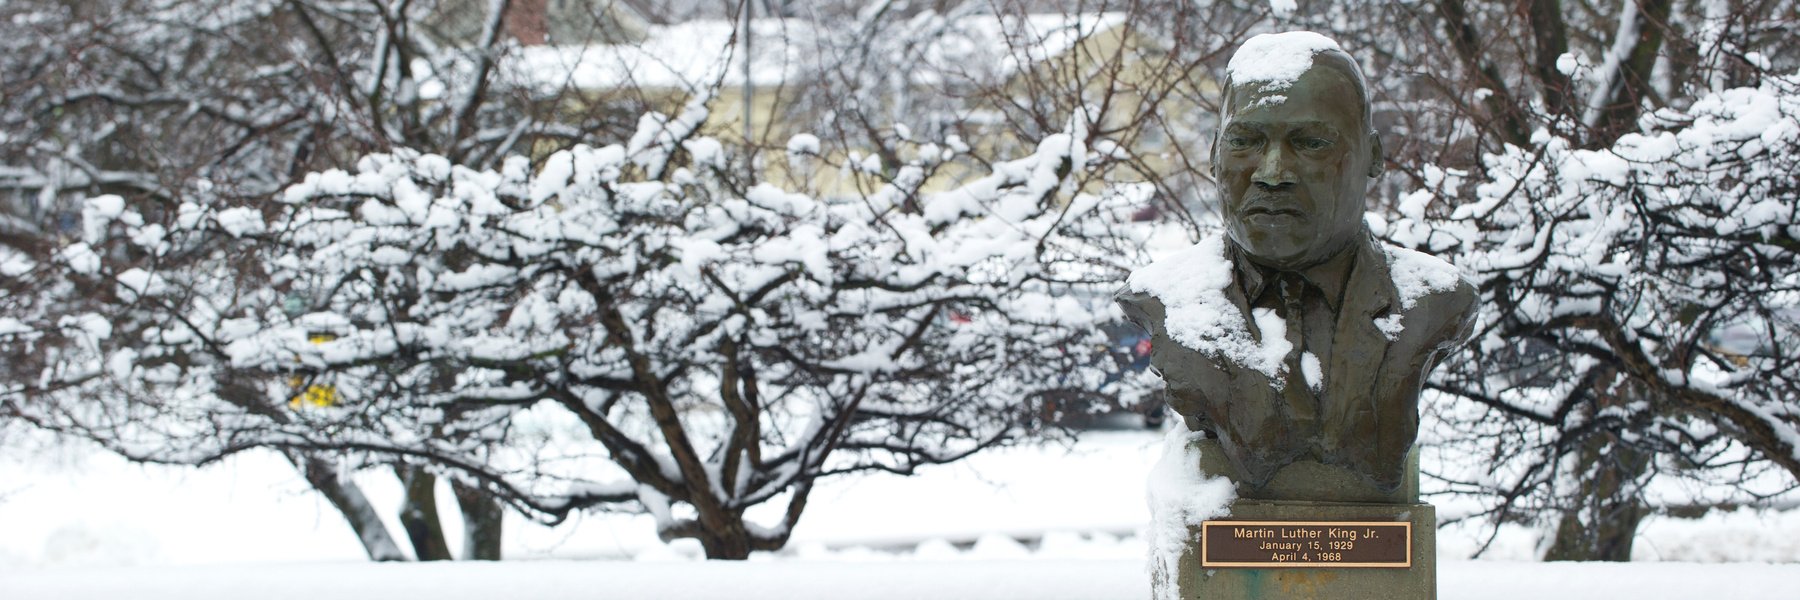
[[1127, 351]]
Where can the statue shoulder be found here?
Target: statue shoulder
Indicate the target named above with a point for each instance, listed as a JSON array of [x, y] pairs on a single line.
[[1141, 308], [1184, 275], [1420, 277], [1184, 295], [1430, 289]]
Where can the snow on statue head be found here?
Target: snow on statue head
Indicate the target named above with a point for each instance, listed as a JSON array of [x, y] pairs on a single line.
[[1295, 149]]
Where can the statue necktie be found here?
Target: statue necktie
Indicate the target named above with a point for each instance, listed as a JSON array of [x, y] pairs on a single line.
[[1296, 390]]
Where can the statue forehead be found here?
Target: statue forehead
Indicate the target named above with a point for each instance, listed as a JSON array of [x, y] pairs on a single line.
[[1321, 94], [1265, 71]]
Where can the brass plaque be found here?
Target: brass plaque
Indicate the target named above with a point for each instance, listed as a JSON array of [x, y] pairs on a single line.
[[1306, 544]]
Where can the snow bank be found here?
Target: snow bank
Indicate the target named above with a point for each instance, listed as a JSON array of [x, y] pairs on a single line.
[[1083, 501], [834, 579], [572, 580]]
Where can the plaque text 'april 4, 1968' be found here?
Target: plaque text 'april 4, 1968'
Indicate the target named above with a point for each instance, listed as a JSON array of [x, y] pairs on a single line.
[[1305, 544]]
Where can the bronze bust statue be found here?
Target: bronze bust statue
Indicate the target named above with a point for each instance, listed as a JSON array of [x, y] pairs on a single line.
[[1296, 336]]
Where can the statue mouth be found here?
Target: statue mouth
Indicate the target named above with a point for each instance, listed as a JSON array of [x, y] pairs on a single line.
[[1269, 210]]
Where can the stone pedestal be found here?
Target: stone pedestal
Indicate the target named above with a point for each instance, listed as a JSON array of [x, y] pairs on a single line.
[[1307, 480], [1418, 582], [1299, 493]]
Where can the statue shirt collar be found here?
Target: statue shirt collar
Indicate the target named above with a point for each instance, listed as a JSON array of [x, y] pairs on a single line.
[[1329, 276]]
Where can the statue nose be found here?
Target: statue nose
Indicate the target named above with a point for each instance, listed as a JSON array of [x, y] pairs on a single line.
[[1275, 169]]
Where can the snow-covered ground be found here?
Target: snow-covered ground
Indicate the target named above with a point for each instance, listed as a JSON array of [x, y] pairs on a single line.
[[1040, 522], [1048, 579]]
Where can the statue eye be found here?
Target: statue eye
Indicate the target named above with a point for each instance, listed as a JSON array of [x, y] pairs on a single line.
[[1238, 142], [1312, 143]]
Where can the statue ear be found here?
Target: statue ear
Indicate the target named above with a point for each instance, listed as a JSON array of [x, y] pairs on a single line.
[[1376, 161], [1213, 158]]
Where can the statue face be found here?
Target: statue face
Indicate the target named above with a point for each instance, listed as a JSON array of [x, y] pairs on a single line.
[[1292, 171]]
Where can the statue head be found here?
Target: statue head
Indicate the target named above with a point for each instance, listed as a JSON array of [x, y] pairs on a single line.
[[1295, 149]]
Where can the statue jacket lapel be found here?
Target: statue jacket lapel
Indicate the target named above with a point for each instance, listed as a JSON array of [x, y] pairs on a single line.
[[1359, 384]]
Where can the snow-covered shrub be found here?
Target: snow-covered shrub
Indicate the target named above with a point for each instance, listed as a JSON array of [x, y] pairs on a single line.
[[1645, 291], [605, 331]]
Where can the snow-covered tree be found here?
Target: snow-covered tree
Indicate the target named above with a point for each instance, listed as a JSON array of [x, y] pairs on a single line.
[[717, 347], [148, 106], [1641, 308], [148, 253]]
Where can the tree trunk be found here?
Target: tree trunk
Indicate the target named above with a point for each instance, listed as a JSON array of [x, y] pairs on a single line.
[[733, 544], [1602, 519], [1619, 110], [482, 517], [419, 515], [349, 501], [721, 532]]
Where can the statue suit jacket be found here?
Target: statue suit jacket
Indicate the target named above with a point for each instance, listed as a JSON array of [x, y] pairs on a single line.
[[1368, 402]]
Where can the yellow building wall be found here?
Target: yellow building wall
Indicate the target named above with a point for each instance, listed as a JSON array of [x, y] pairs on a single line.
[[1114, 61]]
